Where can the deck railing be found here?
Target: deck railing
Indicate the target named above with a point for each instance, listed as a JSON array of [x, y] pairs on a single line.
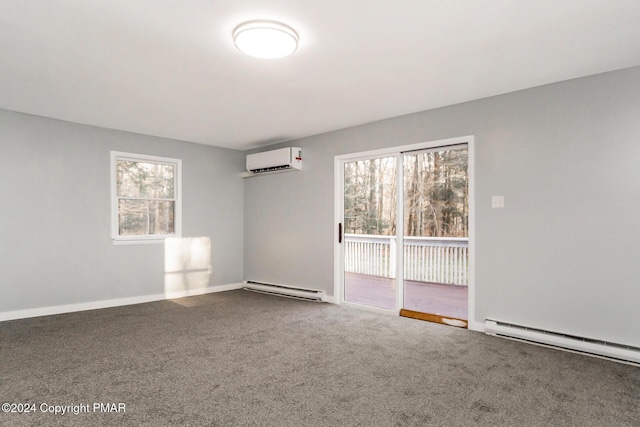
[[426, 259]]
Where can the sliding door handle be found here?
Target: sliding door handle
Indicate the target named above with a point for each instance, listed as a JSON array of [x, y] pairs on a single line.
[[340, 233]]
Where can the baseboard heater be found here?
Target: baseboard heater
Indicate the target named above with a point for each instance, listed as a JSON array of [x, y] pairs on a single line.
[[603, 349], [285, 291]]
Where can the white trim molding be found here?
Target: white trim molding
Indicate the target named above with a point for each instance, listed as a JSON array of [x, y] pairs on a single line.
[[330, 299], [96, 305], [177, 198]]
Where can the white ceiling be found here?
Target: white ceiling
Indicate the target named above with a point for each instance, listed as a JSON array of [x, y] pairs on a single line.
[[169, 67]]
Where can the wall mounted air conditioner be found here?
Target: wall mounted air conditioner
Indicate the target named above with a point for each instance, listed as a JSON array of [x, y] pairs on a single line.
[[283, 159]]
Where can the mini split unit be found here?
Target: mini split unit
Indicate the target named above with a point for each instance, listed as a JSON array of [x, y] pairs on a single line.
[[283, 159]]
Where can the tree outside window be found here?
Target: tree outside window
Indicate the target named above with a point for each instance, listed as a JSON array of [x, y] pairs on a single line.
[[146, 196]]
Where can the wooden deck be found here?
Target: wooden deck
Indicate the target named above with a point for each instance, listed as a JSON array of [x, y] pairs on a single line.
[[435, 298]]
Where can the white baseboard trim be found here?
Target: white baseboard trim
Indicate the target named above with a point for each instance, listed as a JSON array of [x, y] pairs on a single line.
[[330, 299], [202, 291], [95, 305], [475, 326]]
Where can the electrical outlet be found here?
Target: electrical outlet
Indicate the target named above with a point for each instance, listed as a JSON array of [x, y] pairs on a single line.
[[497, 202]]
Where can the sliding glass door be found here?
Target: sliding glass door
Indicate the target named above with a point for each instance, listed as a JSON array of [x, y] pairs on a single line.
[[370, 208], [436, 234], [404, 232]]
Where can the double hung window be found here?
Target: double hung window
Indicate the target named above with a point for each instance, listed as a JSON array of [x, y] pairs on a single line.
[[146, 202]]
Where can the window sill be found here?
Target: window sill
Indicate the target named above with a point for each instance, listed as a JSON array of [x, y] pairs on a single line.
[[143, 241]]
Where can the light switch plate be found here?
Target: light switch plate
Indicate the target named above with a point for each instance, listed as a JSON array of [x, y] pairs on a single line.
[[497, 201]]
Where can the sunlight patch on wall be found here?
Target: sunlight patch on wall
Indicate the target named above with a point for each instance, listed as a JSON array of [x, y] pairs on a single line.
[[187, 264]]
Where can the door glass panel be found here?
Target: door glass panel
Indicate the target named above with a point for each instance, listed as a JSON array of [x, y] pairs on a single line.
[[369, 232], [436, 216]]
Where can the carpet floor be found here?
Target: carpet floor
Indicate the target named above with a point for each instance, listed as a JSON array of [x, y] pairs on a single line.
[[244, 359]]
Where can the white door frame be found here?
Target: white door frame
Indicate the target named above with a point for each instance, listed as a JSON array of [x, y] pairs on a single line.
[[340, 160]]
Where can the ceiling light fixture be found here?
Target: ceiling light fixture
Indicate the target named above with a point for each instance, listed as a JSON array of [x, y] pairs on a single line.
[[265, 39]]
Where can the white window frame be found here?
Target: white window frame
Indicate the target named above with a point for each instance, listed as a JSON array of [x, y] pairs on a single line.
[[149, 238]]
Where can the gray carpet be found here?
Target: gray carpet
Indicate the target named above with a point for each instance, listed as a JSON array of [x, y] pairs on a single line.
[[239, 358]]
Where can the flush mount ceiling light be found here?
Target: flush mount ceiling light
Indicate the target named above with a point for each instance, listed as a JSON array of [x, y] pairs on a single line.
[[265, 39]]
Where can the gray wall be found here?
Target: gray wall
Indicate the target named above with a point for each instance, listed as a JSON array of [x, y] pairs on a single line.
[[561, 255], [55, 244]]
